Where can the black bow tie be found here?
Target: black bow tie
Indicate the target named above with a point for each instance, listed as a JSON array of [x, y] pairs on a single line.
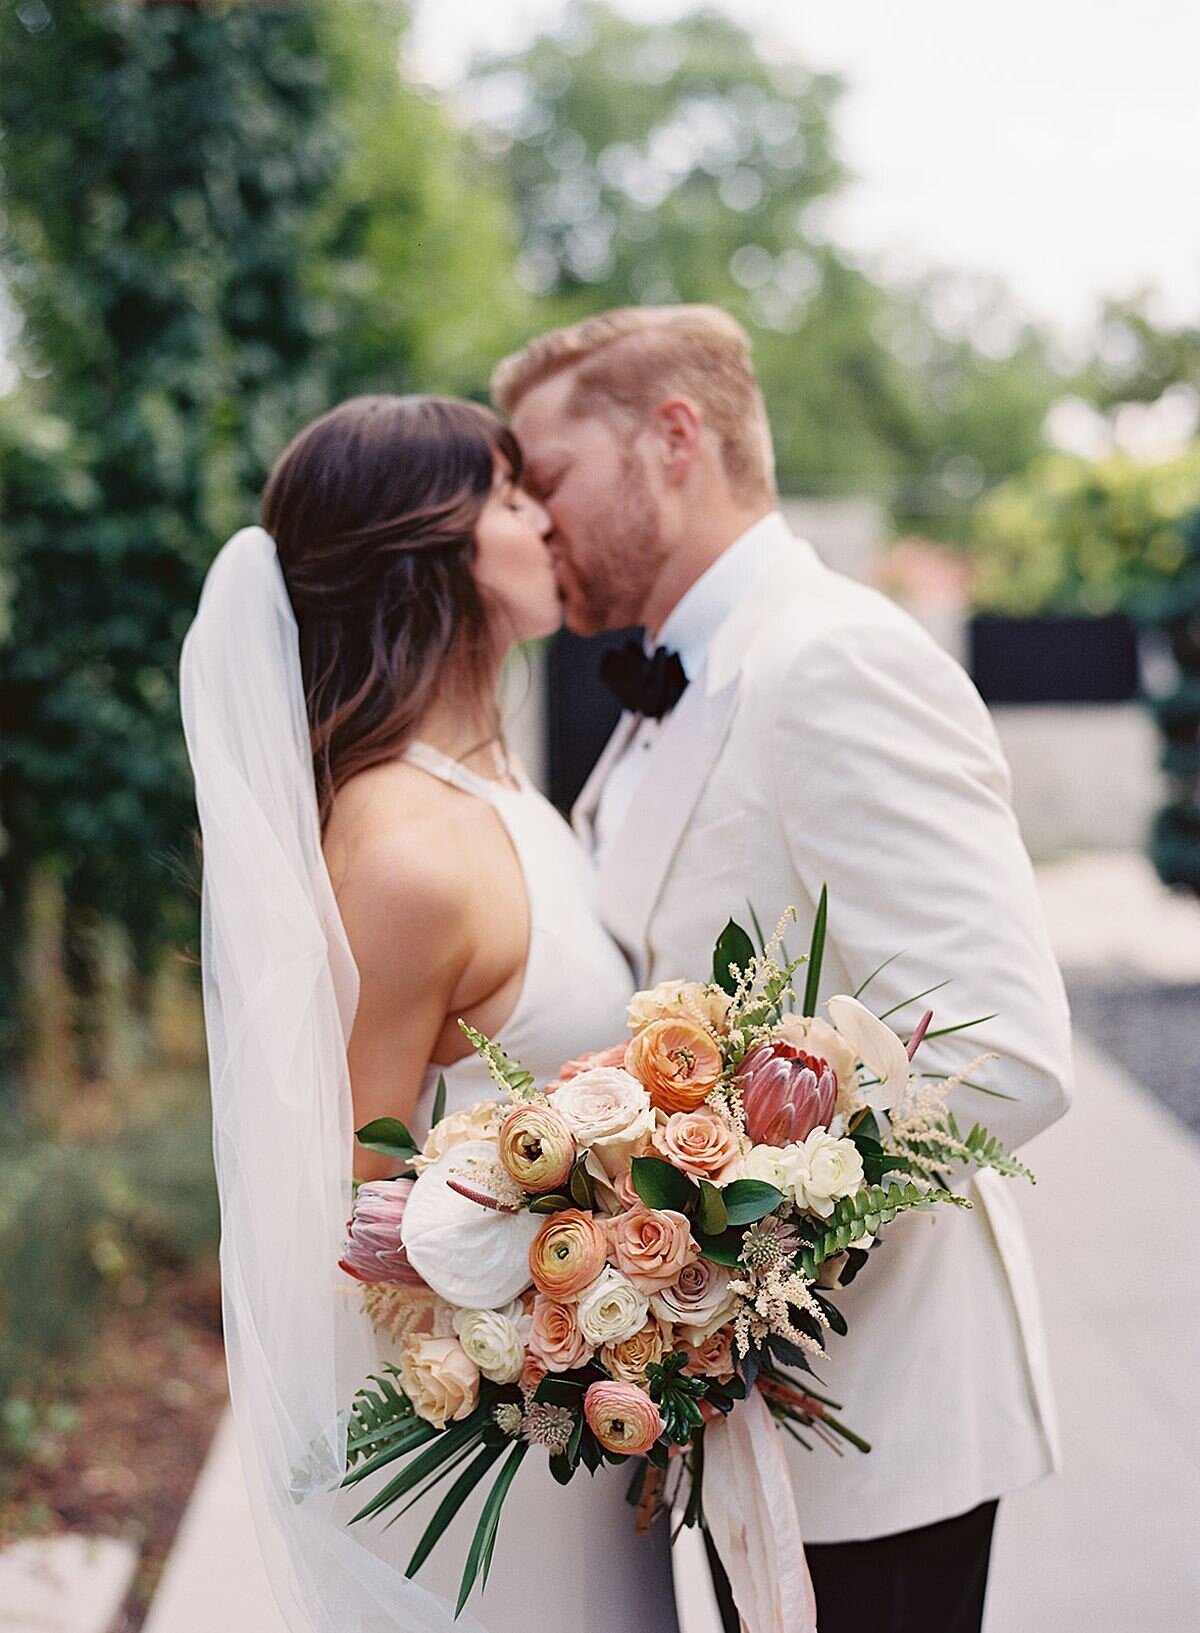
[[648, 683]]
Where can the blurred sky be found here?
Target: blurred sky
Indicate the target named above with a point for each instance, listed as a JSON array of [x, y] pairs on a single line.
[[1053, 142]]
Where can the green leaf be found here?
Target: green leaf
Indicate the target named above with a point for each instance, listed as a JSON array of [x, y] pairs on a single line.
[[711, 1215], [552, 1391], [748, 1200], [733, 947], [480, 1552], [389, 1135], [446, 1444], [962, 1026], [916, 997], [863, 1214], [439, 1100], [878, 970], [758, 929], [660, 1185], [552, 1202], [583, 1194], [723, 1249], [816, 955], [507, 1074], [451, 1503]]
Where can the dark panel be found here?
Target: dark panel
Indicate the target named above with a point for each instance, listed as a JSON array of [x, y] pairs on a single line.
[[1054, 660]]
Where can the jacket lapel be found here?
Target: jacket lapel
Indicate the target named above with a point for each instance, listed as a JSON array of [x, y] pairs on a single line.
[[583, 812], [636, 861]]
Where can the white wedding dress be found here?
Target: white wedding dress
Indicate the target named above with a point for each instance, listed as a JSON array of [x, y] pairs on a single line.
[[566, 1558]]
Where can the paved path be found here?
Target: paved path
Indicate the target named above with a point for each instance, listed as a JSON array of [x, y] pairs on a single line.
[[1110, 1545]]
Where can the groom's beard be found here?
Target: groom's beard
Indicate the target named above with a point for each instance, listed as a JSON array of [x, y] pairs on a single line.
[[608, 572]]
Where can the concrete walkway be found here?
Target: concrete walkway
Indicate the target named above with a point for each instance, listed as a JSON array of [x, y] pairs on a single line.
[[1110, 1545]]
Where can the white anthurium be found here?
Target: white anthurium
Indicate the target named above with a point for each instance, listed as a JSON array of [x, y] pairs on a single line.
[[876, 1045], [474, 1256]]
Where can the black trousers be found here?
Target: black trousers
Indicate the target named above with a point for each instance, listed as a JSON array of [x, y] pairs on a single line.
[[932, 1580]]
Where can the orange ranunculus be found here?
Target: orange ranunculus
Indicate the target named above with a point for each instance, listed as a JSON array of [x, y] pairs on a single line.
[[677, 1062], [567, 1254], [536, 1147], [651, 1246], [622, 1417]]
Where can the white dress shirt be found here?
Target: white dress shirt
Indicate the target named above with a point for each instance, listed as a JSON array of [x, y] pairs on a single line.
[[688, 630]]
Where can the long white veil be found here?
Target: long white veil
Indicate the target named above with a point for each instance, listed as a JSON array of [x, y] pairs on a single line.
[[280, 989]]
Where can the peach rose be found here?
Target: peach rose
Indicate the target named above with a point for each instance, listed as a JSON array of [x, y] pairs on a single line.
[[554, 1336], [713, 1358], [478, 1122], [699, 1142], [439, 1379], [536, 1147], [627, 1361], [532, 1373], [614, 1056], [678, 1063], [567, 1254], [622, 1417], [651, 1246], [680, 1001]]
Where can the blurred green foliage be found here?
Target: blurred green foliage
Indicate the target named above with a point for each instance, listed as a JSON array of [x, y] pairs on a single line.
[[1075, 536], [80, 1219], [654, 163], [1171, 611]]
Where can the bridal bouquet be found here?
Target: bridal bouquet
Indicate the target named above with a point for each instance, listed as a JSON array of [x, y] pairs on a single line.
[[622, 1262]]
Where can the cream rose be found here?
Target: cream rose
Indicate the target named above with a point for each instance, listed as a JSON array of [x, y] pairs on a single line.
[[679, 1000], [478, 1122], [492, 1340], [611, 1309], [821, 1171], [699, 1142], [765, 1162], [439, 1378], [628, 1360], [609, 1112], [699, 1302]]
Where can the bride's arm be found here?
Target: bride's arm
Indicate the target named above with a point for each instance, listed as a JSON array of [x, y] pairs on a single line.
[[406, 921]]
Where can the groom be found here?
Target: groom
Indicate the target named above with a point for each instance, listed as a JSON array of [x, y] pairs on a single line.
[[792, 729]]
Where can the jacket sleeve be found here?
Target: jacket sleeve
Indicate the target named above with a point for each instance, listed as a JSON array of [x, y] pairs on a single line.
[[892, 790]]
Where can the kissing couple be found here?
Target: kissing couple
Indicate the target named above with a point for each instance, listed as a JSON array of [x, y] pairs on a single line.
[[378, 866]]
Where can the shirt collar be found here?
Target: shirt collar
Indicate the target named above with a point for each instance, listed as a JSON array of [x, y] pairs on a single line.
[[694, 620]]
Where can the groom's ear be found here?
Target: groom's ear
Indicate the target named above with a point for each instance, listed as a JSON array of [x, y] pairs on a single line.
[[678, 427]]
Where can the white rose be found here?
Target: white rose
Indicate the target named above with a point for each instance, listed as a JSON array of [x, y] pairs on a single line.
[[765, 1162], [611, 1309], [821, 1171], [609, 1112], [699, 1302], [491, 1339]]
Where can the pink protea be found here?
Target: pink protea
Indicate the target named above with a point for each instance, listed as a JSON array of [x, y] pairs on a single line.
[[786, 1093], [372, 1250]]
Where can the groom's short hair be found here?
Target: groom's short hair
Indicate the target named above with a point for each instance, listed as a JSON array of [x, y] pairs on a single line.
[[634, 356]]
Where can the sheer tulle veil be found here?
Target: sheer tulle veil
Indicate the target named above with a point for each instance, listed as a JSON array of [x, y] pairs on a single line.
[[280, 990]]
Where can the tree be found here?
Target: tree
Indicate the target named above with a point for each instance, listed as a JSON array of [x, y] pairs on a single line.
[[158, 206], [674, 162]]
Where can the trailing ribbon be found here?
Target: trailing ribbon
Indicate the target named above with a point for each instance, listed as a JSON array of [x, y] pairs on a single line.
[[751, 1516]]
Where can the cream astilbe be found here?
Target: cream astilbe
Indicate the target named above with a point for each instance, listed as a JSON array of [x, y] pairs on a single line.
[[918, 1130], [771, 1288]]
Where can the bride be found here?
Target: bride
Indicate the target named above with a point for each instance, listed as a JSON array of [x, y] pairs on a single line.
[[376, 867]]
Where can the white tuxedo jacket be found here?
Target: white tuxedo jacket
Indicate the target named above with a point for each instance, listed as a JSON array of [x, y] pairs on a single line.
[[830, 741]]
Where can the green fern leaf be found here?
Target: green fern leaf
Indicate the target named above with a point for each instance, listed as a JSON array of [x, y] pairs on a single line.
[[508, 1074], [864, 1214]]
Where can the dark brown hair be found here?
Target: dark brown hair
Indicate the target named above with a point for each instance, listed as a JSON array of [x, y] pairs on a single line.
[[373, 509]]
